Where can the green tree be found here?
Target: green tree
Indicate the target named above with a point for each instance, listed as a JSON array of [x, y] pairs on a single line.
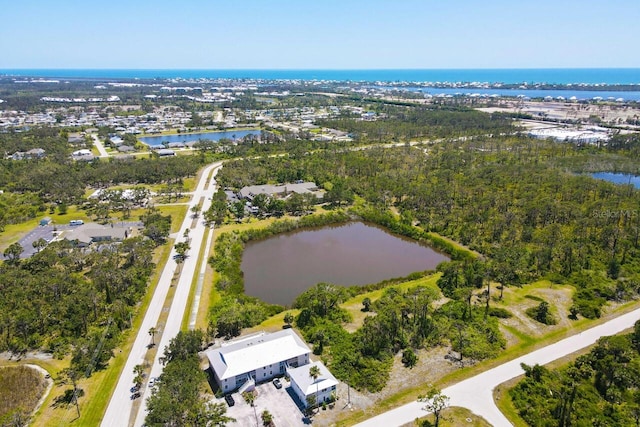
[[39, 244], [314, 373], [184, 344], [218, 209], [435, 402], [152, 332], [267, 418], [13, 252], [409, 358], [322, 299], [181, 250], [288, 318]]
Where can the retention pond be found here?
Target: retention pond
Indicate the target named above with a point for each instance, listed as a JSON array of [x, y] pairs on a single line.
[[280, 268]]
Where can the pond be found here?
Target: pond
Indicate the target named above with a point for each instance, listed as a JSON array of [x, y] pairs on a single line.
[[618, 178], [280, 268], [156, 141]]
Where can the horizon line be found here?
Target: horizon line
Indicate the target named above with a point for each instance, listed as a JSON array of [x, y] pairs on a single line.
[[324, 69]]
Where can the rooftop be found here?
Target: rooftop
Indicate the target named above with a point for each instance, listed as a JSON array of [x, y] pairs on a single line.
[[246, 355], [306, 383]]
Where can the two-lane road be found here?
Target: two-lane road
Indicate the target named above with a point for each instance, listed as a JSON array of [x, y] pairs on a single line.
[[476, 393], [118, 412]]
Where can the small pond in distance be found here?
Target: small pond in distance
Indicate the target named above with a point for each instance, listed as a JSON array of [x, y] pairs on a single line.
[[280, 268], [156, 141], [618, 178]]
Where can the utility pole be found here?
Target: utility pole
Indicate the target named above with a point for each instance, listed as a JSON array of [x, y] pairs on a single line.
[[75, 391]]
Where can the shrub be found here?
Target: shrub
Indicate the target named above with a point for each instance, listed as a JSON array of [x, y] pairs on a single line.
[[542, 314], [500, 312]]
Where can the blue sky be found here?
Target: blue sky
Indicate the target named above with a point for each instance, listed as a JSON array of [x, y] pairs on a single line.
[[319, 34]]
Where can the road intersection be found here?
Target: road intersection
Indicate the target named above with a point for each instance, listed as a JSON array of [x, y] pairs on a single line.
[[475, 393]]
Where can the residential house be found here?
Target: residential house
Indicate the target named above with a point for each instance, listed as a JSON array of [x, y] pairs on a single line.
[[89, 233], [281, 191], [75, 138], [166, 153], [242, 363], [34, 153]]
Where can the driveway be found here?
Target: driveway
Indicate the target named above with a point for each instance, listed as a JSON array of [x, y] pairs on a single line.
[[278, 402]]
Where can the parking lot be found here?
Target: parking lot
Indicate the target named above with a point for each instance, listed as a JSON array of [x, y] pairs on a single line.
[[279, 402]]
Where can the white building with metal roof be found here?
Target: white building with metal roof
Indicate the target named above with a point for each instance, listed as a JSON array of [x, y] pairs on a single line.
[[304, 385], [257, 358]]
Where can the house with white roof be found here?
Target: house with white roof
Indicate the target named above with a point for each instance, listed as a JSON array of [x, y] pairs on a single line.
[[258, 358], [304, 385]]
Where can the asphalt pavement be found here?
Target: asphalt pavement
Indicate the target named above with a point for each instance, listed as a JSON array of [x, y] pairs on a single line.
[[119, 411], [476, 393]]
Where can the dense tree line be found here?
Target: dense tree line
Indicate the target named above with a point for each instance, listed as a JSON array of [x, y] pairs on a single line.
[[403, 123], [504, 197], [403, 321], [601, 388], [179, 395], [67, 300]]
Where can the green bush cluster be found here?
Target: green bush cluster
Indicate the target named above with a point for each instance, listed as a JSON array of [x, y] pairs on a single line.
[[599, 388]]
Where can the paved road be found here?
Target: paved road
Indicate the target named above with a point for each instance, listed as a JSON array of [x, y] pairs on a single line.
[[99, 146], [476, 393], [120, 406]]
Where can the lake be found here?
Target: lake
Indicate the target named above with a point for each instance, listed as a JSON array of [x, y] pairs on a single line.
[[618, 178], [156, 141], [280, 268]]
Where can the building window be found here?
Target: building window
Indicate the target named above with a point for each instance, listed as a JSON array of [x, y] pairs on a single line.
[[265, 374]]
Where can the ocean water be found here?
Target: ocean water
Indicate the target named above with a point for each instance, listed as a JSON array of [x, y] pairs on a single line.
[[509, 76]]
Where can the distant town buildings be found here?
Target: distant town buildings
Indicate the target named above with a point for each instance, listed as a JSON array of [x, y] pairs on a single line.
[[592, 136]]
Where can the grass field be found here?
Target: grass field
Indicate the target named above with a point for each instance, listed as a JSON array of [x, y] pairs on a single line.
[[527, 340], [21, 387], [455, 417]]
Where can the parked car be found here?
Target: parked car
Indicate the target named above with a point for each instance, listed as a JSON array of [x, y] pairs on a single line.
[[229, 399], [277, 383]]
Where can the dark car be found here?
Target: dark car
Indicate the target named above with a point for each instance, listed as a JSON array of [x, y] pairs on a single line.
[[277, 383], [229, 399]]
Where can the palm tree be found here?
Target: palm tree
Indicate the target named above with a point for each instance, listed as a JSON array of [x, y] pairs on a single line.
[[152, 332], [314, 372]]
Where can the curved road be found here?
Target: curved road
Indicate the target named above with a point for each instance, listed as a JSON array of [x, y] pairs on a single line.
[[476, 393], [120, 406]]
